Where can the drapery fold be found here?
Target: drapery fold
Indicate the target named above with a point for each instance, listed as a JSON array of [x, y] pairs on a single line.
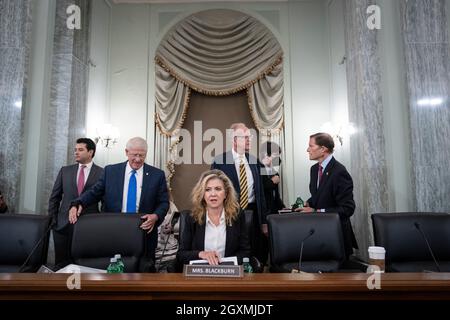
[[217, 52]]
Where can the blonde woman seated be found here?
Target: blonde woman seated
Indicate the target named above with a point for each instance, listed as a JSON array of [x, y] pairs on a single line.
[[216, 226]]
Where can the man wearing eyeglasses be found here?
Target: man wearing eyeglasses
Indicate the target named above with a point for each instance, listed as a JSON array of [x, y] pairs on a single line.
[[244, 170], [131, 187]]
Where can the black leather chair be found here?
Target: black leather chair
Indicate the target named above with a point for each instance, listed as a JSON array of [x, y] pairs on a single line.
[[406, 249], [323, 251], [19, 234], [98, 237]]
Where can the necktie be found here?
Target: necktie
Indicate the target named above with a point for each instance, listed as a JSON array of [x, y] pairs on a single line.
[[243, 200], [320, 173], [131, 196], [80, 182]]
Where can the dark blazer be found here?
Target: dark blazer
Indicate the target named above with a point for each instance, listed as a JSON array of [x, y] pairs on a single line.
[[192, 239], [335, 195], [154, 196], [5, 207], [65, 191], [271, 193], [225, 163]]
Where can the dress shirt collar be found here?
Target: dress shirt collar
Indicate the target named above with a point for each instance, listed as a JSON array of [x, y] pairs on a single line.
[[221, 219], [88, 165]]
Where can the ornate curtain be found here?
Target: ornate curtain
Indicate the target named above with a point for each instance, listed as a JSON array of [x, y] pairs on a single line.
[[217, 52]]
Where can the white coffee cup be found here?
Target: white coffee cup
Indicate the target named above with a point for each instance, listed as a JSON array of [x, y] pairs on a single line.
[[377, 258]]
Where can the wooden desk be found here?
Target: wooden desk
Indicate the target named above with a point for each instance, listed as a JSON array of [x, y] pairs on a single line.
[[331, 286]]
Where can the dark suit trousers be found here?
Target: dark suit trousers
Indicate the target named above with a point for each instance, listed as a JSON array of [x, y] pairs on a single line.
[[63, 243], [259, 242]]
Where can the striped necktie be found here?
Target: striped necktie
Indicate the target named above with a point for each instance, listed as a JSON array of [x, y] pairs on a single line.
[[243, 200]]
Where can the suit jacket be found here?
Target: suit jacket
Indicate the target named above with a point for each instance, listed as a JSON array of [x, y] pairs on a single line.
[[271, 193], [65, 191], [225, 163], [154, 196], [5, 208], [335, 195], [192, 239]]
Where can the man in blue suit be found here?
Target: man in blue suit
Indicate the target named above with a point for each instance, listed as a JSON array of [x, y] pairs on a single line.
[[252, 198], [130, 187]]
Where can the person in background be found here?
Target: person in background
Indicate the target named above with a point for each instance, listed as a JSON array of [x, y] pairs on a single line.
[[331, 187], [216, 226], [71, 182], [244, 171], [3, 206], [167, 248], [270, 157], [131, 187]]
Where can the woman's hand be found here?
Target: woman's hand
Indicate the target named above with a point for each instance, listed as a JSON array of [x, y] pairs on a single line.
[[211, 256]]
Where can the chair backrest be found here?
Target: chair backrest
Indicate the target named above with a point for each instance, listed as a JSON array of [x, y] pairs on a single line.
[[398, 234], [323, 250], [19, 234], [98, 237]]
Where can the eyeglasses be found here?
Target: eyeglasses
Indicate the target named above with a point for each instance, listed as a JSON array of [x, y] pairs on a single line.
[[250, 137], [137, 155]]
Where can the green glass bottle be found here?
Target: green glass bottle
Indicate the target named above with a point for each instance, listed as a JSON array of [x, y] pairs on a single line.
[[298, 203], [247, 266], [113, 267], [120, 263]]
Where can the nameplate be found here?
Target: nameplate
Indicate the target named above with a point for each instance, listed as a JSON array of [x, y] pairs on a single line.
[[226, 271]]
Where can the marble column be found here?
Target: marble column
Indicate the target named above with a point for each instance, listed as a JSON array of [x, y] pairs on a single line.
[[67, 110], [15, 26], [368, 162], [427, 62]]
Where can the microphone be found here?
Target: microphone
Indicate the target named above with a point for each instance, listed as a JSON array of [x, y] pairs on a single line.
[[173, 222], [310, 233], [50, 226], [417, 225]]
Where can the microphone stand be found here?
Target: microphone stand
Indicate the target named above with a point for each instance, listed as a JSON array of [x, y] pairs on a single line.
[[50, 226], [310, 233], [417, 225]]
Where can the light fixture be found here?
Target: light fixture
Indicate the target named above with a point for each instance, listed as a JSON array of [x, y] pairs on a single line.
[[430, 101], [107, 135], [339, 131]]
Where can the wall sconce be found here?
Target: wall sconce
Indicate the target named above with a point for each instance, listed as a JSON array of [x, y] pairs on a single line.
[[339, 131], [107, 135]]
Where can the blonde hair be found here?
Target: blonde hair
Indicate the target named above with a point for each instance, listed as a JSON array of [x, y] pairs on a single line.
[[230, 204]]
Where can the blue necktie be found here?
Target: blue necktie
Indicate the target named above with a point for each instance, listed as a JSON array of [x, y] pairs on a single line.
[[131, 197]]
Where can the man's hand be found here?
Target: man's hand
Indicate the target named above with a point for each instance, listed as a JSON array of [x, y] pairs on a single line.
[[74, 213], [276, 179], [265, 229], [150, 221], [212, 257], [305, 210]]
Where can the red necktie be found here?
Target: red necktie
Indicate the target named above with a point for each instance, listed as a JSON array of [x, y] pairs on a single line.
[[80, 183], [320, 173]]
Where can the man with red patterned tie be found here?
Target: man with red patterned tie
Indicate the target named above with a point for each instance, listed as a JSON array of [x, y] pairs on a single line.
[[72, 181], [331, 187]]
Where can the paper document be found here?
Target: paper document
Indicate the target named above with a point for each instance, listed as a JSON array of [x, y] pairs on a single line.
[[223, 261], [74, 268]]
